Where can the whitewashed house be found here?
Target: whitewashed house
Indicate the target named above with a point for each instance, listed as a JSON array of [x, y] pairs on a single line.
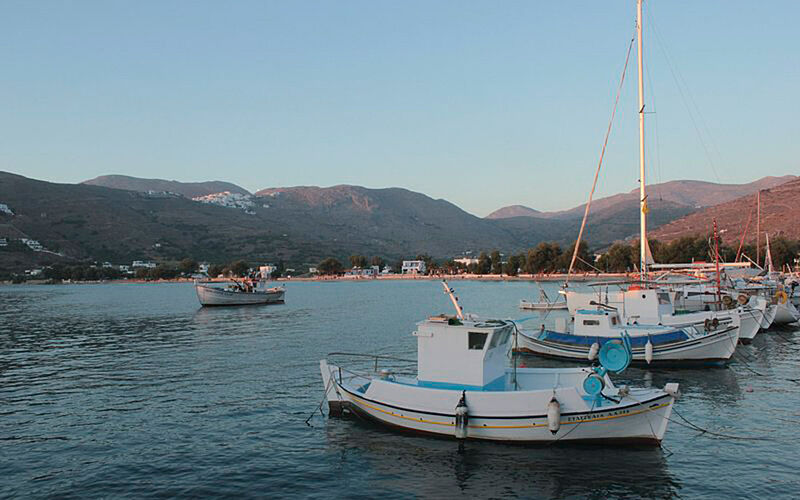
[[413, 267]]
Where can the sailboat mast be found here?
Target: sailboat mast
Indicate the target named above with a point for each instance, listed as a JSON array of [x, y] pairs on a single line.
[[758, 227], [642, 191]]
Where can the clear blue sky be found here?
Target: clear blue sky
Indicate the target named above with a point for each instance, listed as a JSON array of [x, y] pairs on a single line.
[[484, 104]]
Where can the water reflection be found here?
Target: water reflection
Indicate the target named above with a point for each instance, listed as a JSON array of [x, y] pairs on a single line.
[[430, 467]]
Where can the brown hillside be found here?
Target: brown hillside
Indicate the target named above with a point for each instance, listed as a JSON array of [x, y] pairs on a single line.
[[780, 208]]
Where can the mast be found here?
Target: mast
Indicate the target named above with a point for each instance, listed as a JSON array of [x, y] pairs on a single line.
[[642, 192], [758, 227]]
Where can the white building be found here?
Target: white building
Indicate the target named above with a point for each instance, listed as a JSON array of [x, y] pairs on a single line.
[[465, 261], [4, 208], [125, 269], [3, 242], [367, 272], [202, 268], [266, 271], [32, 244], [312, 270], [143, 263], [413, 267]]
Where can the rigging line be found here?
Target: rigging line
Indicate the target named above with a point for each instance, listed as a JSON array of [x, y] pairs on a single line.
[[744, 234], [680, 83], [600, 162]]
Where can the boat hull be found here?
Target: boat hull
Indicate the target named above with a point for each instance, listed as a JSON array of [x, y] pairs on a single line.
[[711, 349], [542, 306], [210, 296], [785, 313], [515, 416]]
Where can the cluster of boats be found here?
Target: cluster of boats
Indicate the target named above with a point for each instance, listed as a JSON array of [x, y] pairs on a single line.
[[465, 387], [692, 322]]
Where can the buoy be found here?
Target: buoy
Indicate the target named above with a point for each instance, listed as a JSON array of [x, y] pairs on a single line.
[[743, 299], [462, 418], [648, 351], [781, 297], [553, 415], [593, 351]]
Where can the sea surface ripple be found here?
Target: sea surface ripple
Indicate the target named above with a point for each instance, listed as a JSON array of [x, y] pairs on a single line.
[[130, 390]]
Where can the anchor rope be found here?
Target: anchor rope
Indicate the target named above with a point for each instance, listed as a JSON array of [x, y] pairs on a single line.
[[691, 425], [322, 401]]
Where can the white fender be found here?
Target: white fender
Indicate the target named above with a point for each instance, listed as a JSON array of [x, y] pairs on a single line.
[[553, 415], [648, 351], [593, 351]]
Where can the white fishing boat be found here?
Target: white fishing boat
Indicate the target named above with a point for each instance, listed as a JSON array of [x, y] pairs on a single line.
[[544, 303], [711, 343], [238, 294], [465, 389]]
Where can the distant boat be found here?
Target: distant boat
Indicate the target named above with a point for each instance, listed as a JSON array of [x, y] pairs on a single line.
[[239, 294], [544, 304]]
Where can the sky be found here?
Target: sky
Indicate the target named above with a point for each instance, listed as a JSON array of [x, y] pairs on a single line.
[[484, 104]]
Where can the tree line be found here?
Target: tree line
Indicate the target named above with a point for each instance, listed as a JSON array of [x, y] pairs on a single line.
[[550, 257]]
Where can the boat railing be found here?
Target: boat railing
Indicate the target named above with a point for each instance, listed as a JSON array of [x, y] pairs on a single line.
[[371, 364]]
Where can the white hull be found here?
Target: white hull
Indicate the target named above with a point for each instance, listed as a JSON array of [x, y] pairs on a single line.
[[751, 320], [786, 313], [542, 306], [518, 415], [714, 349], [211, 296], [769, 316]]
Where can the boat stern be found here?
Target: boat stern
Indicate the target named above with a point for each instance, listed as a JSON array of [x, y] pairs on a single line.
[[335, 401]]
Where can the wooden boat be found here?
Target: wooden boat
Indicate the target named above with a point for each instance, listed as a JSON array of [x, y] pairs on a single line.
[[238, 294]]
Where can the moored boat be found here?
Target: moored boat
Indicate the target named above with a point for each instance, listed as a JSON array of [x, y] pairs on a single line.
[[238, 294], [464, 389]]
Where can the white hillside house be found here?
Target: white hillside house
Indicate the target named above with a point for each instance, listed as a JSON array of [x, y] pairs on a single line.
[[230, 200], [4, 209]]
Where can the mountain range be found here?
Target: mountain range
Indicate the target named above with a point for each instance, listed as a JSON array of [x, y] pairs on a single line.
[[187, 189], [120, 219], [685, 193], [779, 208]]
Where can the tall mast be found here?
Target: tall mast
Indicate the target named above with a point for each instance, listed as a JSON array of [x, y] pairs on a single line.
[[758, 227], [642, 192]]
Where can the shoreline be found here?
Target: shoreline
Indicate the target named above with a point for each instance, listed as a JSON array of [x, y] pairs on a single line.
[[392, 277]]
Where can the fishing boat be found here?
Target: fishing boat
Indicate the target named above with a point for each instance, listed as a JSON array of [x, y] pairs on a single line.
[[465, 389], [544, 303], [708, 343], [239, 294]]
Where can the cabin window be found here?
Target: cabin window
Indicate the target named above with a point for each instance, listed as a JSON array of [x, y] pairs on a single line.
[[613, 320], [663, 298], [499, 337], [591, 322], [477, 340]]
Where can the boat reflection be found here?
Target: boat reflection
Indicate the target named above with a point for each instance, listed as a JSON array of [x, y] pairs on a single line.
[[431, 467]]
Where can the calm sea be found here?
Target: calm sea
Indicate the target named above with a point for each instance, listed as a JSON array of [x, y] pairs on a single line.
[[127, 390]]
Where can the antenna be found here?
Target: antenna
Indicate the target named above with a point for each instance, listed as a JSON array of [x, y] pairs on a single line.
[[449, 291]]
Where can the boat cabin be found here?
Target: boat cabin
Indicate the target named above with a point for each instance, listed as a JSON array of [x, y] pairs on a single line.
[[596, 323], [468, 354]]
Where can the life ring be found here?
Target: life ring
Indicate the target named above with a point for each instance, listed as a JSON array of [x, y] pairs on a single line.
[[727, 300], [743, 299], [781, 297]]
